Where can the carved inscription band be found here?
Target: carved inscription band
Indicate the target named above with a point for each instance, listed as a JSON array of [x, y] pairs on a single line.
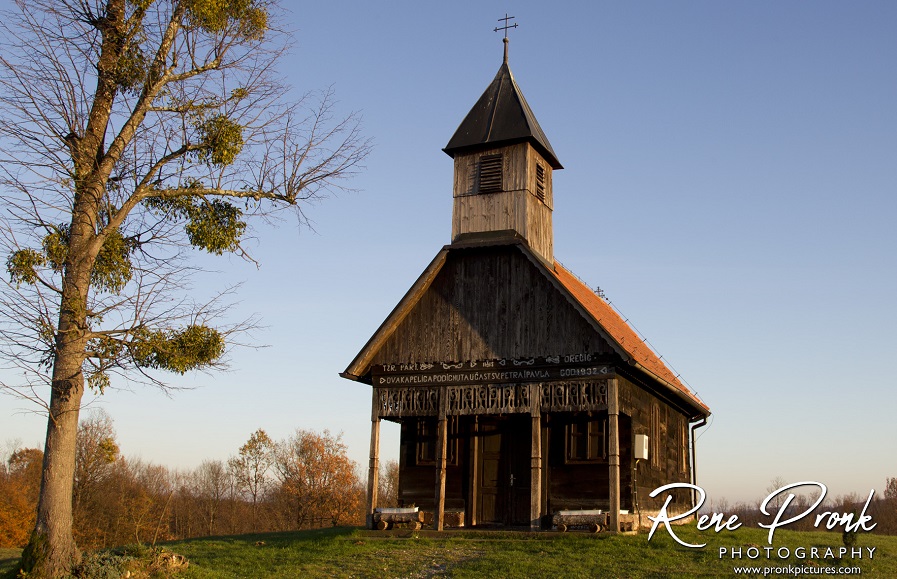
[[492, 399], [408, 401], [511, 371], [487, 399], [570, 396]]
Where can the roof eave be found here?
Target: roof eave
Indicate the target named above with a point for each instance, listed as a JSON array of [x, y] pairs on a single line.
[[703, 411], [546, 153], [360, 364]]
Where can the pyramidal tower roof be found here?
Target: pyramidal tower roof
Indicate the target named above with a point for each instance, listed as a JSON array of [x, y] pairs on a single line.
[[501, 117]]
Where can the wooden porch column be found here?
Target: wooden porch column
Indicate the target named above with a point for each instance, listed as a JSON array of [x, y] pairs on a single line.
[[473, 499], [613, 453], [535, 502], [441, 445], [374, 465], [546, 449]]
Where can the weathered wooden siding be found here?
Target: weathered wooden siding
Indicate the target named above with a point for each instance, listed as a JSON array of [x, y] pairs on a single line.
[[519, 171], [533, 158], [584, 485], [516, 207], [489, 303], [417, 483], [538, 229], [491, 212], [667, 431]]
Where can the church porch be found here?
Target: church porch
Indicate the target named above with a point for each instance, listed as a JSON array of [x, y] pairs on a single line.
[[521, 454]]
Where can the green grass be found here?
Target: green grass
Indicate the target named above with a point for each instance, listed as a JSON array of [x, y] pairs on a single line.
[[355, 553], [8, 560], [349, 552]]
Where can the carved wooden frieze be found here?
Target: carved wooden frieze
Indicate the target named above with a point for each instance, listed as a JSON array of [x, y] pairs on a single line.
[[408, 401], [473, 399], [574, 396], [490, 399]]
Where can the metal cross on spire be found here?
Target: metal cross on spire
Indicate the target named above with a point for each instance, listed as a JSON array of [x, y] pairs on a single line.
[[505, 28]]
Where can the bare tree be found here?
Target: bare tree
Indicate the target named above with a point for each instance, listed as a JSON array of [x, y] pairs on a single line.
[[211, 482], [890, 489], [886, 508], [97, 452], [250, 469], [131, 130], [774, 485], [388, 495]]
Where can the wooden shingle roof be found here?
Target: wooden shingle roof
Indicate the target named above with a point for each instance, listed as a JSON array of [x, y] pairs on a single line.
[[501, 117], [621, 333]]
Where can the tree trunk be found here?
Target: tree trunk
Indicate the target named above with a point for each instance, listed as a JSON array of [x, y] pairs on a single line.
[[255, 525], [51, 551]]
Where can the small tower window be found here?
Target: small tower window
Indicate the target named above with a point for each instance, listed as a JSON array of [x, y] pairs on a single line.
[[490, 173], [540, 182]]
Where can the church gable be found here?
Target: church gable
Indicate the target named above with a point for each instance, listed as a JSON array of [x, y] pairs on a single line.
[[490, 303]]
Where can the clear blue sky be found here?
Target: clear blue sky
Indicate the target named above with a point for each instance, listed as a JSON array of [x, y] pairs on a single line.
[[730, 182]]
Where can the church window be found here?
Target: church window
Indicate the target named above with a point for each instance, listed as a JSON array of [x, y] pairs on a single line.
[[491, 173], [428, 439], [587, 441]]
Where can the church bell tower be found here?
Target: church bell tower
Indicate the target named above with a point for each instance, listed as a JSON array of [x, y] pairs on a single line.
[[503, 169]]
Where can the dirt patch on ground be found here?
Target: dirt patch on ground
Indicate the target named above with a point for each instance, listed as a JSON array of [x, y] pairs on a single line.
[[437, 561]]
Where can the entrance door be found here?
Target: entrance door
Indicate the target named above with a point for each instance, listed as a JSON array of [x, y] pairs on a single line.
[[504, 484]]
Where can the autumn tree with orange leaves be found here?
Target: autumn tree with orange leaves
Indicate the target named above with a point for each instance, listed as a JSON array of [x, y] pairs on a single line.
[[305, 481], [19, 486], [317, 479]]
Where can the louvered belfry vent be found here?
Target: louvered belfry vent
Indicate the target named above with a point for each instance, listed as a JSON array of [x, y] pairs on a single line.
[[490, 173], [540, 182]]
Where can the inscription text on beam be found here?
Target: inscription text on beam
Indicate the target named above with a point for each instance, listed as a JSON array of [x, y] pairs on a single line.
[[498, 371]]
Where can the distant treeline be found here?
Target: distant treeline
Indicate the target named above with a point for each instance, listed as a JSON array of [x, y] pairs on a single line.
[[882, 508], [306, 481]]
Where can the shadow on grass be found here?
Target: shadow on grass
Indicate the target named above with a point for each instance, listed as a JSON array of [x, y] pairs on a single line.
[[285, 537], [9, 563]]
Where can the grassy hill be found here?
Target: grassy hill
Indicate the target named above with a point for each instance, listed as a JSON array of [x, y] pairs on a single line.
[[346, 552]]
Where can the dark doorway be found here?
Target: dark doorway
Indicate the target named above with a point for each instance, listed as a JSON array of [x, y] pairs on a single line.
[[504, 464]]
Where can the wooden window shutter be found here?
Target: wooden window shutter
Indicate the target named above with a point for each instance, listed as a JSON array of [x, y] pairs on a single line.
[[540, 182], [426, 441], [491, 173], [655, 435]]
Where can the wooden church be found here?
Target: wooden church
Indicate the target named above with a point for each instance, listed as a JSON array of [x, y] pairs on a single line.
[[522, 395]]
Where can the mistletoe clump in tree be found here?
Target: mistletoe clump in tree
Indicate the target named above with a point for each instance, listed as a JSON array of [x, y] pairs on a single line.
[[130, 132]]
